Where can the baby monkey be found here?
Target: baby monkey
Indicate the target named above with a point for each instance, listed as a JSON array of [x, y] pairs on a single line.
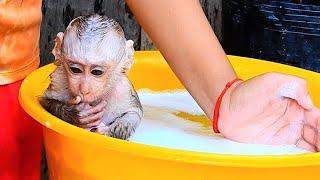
[[90, 88]]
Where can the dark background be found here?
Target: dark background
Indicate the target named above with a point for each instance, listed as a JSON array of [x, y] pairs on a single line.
[[58, 13], [280, 31], [286, 31]]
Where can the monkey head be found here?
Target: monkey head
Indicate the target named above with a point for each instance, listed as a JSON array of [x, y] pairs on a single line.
[[95, 54]]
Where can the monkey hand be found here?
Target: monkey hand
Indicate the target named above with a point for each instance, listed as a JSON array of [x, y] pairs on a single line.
[[88, 116], [124, 126], [273, 109]]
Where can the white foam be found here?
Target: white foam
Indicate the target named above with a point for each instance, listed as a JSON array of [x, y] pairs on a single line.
[[162, 127]]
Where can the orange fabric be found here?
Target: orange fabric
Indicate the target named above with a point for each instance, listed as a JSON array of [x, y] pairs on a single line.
[[19, 38]]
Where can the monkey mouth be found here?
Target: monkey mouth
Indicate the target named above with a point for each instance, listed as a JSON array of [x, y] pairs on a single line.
[[87, 100]]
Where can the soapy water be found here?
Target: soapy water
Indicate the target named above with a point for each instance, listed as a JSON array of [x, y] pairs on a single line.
[[174, 120]]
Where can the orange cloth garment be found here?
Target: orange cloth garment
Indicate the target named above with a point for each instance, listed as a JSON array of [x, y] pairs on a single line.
[[19, 38]]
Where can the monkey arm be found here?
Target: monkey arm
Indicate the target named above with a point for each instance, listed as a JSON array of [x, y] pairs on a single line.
[[81, 115], [125, 125], [61, 110], [124, 112]]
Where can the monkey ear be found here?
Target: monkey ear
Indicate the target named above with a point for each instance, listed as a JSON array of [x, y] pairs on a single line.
[[128, 58], [57, 48]]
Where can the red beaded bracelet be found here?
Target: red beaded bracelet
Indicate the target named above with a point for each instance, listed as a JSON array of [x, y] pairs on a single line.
[[218, 103]]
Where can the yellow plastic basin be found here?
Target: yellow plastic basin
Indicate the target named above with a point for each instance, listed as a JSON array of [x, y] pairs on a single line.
[[74, 153]]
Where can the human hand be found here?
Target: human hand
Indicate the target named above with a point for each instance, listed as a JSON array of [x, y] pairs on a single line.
[[88, 116], [270, 109]]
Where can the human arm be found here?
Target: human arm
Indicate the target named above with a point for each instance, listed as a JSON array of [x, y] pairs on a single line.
[[257, 110], [186, 40]]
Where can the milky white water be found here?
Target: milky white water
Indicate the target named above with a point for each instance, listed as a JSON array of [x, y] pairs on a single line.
[[174, 120]]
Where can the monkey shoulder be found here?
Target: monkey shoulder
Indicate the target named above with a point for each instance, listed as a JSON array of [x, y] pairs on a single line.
[[127, 113], [55, 98], [122, 99]]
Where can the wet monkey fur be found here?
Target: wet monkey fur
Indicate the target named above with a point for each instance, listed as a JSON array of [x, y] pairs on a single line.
[[90, 88]]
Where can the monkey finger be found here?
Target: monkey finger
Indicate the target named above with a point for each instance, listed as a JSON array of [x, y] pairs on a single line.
[[83, 107], [94, 110], [93, 124], [92, 118]]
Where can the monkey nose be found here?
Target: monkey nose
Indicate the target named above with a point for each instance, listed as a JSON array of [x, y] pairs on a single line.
[[85, 92], [84, 89]]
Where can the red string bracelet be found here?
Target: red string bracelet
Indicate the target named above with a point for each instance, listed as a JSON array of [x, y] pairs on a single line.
[[218, 103]]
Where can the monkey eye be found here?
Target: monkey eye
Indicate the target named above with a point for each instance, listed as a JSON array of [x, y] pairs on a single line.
[[75, 70], [97, 72]]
